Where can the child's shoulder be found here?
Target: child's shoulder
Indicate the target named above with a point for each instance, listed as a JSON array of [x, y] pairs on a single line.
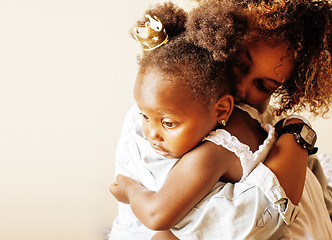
[[211, 150], [223, 161]]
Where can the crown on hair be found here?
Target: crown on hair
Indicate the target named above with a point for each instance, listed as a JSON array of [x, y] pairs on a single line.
[[153, 35]]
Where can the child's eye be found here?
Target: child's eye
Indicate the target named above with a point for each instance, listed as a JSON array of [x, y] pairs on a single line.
[[169, 124], [145, 117]]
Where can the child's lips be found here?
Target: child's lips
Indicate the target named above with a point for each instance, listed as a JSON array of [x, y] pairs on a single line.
[[160, 150]]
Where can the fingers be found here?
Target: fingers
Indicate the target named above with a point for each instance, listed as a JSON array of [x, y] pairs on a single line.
[[121, 183], [119, 180], [119, 188], [113, 185], [116, 181]]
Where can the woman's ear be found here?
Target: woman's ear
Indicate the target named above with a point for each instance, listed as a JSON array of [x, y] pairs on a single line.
[[224, 108]]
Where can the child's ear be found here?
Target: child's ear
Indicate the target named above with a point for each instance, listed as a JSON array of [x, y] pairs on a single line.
[[224, 108]]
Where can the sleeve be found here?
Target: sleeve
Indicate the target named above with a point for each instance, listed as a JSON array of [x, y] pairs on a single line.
[[314, 164], [257, 206], [268, 183], [126, 226], [126, 148], [295, 116]]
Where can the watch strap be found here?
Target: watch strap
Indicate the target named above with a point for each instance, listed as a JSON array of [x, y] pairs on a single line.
[[291, 128], [295, 129]]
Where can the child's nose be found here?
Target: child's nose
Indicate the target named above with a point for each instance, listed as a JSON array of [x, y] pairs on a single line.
[[154, 134]]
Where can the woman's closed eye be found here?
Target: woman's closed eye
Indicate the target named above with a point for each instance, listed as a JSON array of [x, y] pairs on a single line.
[[241, 65], [263, 86]]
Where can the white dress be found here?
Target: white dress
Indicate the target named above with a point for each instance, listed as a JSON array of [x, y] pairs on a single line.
[[255, 208], [249, 159], [213, 219], [215, 216]]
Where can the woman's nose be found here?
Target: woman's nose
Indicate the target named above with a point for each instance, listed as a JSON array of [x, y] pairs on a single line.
[[243, 86], [241, 92]]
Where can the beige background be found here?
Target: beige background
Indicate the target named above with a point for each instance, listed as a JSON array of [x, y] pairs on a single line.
[[67, 68]]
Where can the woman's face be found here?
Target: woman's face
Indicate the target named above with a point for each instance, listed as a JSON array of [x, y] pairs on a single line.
[[260, 70]]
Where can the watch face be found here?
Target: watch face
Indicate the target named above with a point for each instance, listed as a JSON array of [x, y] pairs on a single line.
[[308, 135]]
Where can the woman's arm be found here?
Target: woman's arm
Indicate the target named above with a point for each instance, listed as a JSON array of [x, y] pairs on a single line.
[[188, 183], [288, 161]]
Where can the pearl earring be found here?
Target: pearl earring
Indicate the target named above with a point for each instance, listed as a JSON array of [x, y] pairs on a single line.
[[223, 122]]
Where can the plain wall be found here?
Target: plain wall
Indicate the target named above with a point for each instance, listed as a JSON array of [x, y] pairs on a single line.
[[67, 69]]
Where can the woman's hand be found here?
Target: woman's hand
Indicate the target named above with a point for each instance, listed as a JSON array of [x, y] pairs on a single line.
[[121, 187]]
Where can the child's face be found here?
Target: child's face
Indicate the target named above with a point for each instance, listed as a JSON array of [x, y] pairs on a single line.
[[261, 70], [173, 122]]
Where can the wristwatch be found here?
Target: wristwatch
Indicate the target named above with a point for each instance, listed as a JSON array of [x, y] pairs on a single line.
[[304, 135]]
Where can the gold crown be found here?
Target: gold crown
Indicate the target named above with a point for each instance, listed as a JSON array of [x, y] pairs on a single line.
[[152, 36]]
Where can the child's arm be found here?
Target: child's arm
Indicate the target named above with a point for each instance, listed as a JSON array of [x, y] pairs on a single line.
[[188, 182], [288, 161]]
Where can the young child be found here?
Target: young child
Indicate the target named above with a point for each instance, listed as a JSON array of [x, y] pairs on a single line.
[[168, 107]]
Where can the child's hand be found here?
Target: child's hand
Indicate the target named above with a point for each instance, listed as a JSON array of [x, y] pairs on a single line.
[[120, 188]]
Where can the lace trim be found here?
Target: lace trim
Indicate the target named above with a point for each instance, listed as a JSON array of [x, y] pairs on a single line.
[[248, 159], [253, 113]]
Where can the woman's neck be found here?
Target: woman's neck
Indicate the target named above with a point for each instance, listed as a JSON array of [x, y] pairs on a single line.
[[246, 129]]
